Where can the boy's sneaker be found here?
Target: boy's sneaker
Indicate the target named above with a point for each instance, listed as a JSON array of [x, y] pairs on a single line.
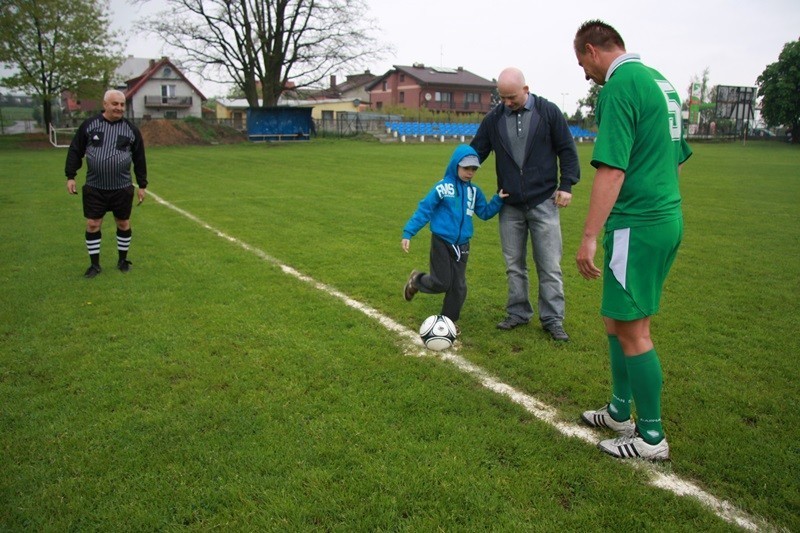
[[92, 271], [124, 265], [629, 446], [411, 286], [602, 419]]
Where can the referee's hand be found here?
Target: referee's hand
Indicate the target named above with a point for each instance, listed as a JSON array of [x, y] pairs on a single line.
[[71, 187]]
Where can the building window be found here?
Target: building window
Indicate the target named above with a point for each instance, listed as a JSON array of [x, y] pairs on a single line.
[[444, 97], [472, 98], [379, 105], [385, 86], [402, 77], [170, 114], [402, 97], [167, 92]]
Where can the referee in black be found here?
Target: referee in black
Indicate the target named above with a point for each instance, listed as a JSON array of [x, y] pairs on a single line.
[[110, 143]]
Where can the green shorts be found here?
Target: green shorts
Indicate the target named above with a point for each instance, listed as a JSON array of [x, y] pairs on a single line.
[[637, 261]]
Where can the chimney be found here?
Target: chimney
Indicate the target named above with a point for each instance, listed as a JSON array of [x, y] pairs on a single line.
[[333, 81]]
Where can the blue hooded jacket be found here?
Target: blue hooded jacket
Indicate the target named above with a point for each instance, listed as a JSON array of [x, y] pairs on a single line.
[[450, 204]]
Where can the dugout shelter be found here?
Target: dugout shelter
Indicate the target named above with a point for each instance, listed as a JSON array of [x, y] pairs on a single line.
[[279, 123]]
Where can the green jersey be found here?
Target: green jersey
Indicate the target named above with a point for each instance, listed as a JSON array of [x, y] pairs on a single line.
[[639, 117]]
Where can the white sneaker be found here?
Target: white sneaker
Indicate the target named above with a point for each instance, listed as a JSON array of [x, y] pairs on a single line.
[[601, 418], [629, 446]]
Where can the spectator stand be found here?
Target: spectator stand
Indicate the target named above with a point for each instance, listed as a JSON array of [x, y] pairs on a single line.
[[442, 131]]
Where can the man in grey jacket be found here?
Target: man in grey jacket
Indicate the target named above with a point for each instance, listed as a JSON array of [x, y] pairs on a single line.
[[531, 142]]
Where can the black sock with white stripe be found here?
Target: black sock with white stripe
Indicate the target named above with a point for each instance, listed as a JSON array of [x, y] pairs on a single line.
[[93, 247], [123, 242]]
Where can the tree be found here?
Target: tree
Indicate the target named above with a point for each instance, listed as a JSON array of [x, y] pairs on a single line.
[[701, 101], [261, 44], [54, 45], [779, 87], [590, 101], [578, 117]]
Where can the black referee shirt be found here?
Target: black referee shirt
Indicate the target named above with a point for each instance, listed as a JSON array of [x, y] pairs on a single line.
[[109, 147]]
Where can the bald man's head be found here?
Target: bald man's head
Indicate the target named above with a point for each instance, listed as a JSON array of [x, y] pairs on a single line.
[[512, 88]]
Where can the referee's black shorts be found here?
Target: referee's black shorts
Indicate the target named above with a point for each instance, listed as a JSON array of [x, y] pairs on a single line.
[[98, 202]]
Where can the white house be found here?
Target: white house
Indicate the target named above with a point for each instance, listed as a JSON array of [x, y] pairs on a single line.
[[156, 88]]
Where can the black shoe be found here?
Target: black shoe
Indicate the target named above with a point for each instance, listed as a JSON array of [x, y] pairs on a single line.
[[92, 271], [411, 286], [557, 332], [124, 265], [510, 322]]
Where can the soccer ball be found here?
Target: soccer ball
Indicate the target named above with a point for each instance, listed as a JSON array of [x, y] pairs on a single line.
[[438, 332]]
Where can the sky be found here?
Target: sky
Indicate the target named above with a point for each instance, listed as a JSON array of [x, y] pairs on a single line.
[[734, 39]]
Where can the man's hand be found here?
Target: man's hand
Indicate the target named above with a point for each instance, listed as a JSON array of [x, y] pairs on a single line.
[[585, 258], [141, 194], [71, 187], [605, 190], [562, 198], [405, 243]]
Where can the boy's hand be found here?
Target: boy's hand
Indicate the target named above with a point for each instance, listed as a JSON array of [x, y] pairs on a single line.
[[405, 243], [503, 194]]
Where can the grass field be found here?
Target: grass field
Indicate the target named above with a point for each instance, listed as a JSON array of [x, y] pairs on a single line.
[[209, 389]]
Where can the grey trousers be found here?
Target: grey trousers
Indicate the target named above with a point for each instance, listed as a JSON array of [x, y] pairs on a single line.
[[542, 225]]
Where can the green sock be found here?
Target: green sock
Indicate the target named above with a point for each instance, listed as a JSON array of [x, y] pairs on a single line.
[[646, 380], [620, 405]]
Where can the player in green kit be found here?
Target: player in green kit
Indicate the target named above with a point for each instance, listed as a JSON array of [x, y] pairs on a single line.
[[635, 205]]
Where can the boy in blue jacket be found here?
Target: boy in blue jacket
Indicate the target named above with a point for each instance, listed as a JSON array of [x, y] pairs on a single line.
[[449, 207]]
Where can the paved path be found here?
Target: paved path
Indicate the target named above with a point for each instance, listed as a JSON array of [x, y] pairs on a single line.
[[22, 126]]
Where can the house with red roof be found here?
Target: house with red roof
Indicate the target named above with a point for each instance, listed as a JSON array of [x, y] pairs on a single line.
[[438, 89], [154, 88], [161, 90]]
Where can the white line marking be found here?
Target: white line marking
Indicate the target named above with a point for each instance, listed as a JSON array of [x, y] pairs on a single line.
[[542, 411]]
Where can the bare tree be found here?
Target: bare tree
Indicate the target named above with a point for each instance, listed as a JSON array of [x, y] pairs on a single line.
[[266, 42], [701, 99]]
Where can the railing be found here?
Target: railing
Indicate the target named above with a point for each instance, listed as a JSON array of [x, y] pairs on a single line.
[[168, 101]]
